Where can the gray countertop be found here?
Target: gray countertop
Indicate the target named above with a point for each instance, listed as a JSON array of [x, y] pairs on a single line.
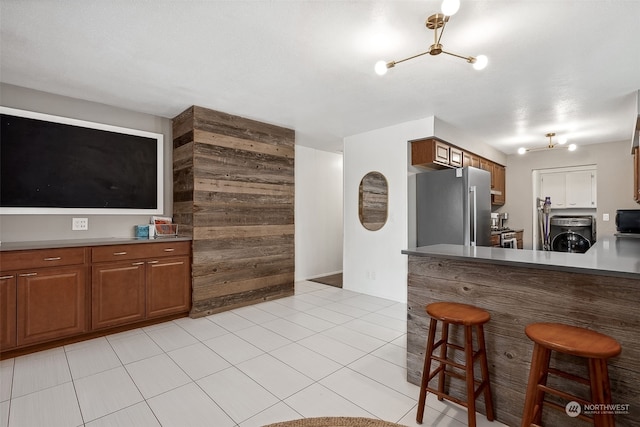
[[74, 243], [609, 256]]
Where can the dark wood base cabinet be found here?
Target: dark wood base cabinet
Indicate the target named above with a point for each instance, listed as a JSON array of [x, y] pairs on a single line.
[[7, 311], [53, 294], [51, 304], [117, 294]]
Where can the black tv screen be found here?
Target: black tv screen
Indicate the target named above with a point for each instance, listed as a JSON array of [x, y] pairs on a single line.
[[52, 164]]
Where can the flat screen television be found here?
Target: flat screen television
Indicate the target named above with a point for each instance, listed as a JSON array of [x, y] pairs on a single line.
[[58, 165]]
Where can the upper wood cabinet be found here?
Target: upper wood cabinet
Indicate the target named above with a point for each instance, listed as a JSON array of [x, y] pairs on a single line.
[[455, 157], [432, 153], [488, 166], [498, 180], [470, 159]]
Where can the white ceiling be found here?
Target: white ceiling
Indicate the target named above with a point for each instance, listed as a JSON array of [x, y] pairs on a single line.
[[570, 67]]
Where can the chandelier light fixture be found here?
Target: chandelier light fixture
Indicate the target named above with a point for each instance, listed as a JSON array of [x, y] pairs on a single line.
[[561, 141], [437, 23]]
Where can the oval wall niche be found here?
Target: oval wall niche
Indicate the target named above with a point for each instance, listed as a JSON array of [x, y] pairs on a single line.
[[373, 203]]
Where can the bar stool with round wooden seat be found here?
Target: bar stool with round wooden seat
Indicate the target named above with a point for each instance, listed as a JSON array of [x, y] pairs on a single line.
[[469, 317], [576, 341]]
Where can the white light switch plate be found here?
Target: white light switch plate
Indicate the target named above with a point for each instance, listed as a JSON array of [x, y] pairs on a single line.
[[605, 217]]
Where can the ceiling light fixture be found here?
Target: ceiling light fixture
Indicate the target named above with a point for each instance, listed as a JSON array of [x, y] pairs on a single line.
[[437, 22], [550, 135]]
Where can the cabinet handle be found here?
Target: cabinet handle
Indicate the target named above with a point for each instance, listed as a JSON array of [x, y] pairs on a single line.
[[169, 250], [28, 274], [153, 262], [6, 277], [53, 258], [138, 263], [119, 253]]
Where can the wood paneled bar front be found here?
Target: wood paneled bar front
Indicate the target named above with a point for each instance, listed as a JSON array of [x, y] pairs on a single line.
[[599, 290]]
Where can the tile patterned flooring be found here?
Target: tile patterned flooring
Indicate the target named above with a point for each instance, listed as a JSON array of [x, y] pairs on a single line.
[[323, 352]]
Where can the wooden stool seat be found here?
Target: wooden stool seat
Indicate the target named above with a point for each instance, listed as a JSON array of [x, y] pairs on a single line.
[[458, 314], [469, 317], [573, 340], [576, 341]]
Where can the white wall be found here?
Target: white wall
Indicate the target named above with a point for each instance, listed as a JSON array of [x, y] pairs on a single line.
[[52, 227], [614, 164], [318, 213], [373, 262]]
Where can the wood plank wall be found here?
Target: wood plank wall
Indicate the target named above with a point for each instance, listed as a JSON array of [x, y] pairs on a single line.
[[234, 194], [516, 297]]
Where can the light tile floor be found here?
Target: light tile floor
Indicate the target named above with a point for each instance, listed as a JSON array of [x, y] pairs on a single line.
[[323, 352]]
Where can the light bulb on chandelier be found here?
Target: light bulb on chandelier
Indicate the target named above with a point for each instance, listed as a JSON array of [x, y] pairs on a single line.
[[437, 23], [450, 7]]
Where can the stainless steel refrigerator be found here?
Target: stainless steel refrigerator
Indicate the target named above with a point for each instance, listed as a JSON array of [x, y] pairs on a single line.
[[454, 206]]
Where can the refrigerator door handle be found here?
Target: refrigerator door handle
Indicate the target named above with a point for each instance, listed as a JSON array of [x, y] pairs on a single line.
[[473, 214]]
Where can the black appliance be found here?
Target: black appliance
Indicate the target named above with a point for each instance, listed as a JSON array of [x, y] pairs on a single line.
[[628, 221], [572, 233]]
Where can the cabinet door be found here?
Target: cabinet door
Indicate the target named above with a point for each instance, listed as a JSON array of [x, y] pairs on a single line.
[[7, 311], [168, 286], [636, 174], [499, 185], [553, 185], [455, 157], [118, 291], [51, 304], [488, 166], [441, 153], [470, 159], [580, 189]]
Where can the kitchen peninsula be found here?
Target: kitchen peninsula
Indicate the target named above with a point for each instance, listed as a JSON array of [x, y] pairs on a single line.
[[598, 290]]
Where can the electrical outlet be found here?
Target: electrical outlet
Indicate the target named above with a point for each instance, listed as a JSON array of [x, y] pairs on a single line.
[[605, 217], [80, 224]]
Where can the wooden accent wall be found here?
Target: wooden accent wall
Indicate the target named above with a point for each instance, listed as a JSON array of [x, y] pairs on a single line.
[[234, 194], [516, 296]]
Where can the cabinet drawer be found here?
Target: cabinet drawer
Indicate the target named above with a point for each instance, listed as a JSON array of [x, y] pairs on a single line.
[[26, 260], [139, 250]]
